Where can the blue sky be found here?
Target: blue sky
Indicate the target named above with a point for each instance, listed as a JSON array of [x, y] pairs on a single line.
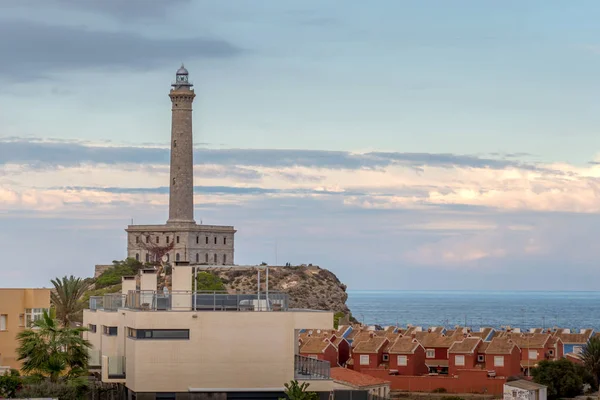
[[401, 144]]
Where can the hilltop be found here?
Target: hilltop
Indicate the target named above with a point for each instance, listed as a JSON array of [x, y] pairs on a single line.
[[308, 286]]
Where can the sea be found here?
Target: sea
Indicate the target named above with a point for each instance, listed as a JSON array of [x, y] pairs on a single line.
[[573, 310]]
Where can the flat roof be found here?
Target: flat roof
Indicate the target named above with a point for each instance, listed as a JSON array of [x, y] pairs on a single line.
[[523, 384]]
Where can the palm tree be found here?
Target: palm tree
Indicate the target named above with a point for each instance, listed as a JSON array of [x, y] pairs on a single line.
[[591, 357], [52, 351], [296, 391], [66, 298]]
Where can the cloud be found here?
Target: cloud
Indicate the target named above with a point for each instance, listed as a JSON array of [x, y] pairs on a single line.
[[70, 153], [37, 49]]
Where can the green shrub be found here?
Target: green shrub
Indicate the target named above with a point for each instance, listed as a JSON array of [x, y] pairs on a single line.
[[440, 390], [209, 281], [112, 276], [10, 382]]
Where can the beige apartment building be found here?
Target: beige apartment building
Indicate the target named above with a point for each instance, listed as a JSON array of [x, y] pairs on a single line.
[[180, 344], [18, 309]]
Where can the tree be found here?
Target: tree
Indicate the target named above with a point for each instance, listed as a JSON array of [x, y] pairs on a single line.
[[591, 358], [562, 378], [208, 281], [295, 391], [112, 276], [66, 298], [53, 351], [336, 318]]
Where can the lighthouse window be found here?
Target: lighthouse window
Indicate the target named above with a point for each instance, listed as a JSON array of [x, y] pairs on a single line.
[[224, 259], [147, 257], [177, 239], [206, 258], [174, 143], [207, 240], [157, 239], [197, 239], [137, 256], [215, 258], [137, 239], [197, 257], [225, 240], [177, 257], [167, 239], [147, 239], [215, 240], [173, 181]]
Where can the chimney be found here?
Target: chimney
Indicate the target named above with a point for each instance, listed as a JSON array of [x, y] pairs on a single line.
[[128, 283], [148, 279], [181, 286]]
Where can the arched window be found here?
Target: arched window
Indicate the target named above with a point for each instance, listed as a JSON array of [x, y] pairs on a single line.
[[197, 257], [137, 256], [206, 258], [224, 259], [177, 257], [215, 258], [147, 257]]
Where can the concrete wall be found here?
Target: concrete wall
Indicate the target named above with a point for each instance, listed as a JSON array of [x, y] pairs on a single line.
[[226, 349], [13, 303]]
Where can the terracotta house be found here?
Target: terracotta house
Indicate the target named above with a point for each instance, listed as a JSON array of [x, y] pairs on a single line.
[[535, 347], [574, 342], [321, 349], [463, 355], [502, 357], [343, 349], [368, 354], [407, 357], [436, 347], [344, 378]]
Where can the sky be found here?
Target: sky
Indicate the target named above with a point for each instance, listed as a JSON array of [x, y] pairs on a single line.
[[404, 145]]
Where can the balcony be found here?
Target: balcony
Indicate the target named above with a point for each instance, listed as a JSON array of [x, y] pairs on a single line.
[[116, 367], [306, 368], [95, 359], [150, 300]]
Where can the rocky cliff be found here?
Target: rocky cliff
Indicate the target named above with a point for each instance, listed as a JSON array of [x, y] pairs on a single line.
[[308, 286]]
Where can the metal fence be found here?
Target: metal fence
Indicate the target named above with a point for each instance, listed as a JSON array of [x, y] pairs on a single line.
[[306, 368]]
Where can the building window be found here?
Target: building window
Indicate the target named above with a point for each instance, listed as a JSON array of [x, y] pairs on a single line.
[[577, 349], [551, 352], [158, 334], [109, 330], [137, 239], [157, 239], [92, 328], [173, 181], [386, 357], [225, 240], [168, 257], [21, 319], [364, 359], [167, 240], [224, 259], [207, 240], [480, 358], [177, 238], [459, 361], [3, 322], [197, 239], [430, 353], [177, 257], [402, 361], [197, 257], [147, 239], [147, 257], [137, 256], [215, 258], [533, 354], [33, 314], [174, 143], [215, 240], [498, 361], [206, 258]]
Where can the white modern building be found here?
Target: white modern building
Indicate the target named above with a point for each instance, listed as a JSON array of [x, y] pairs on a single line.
[[181, 344], [524, 390]]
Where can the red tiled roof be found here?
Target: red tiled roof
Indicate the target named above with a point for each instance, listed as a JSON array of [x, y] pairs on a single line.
[[468, 345], [436, 363], [355, 378], [372, 345], [315, 345], [499, 346], [403, 345]]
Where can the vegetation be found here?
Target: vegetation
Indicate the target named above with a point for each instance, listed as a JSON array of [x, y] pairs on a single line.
[[208, 281], [295, 391], [562, 377], [66, 298], [439, 390], [10, 383], [591, 359], [52, 351], [67, 390], [112, 276], [336, 318]]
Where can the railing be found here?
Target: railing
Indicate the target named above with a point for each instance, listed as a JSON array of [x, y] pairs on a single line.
[[96, 303], [116, 367], [94, 360], [206, 301], [306, 368], [114, 301]]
